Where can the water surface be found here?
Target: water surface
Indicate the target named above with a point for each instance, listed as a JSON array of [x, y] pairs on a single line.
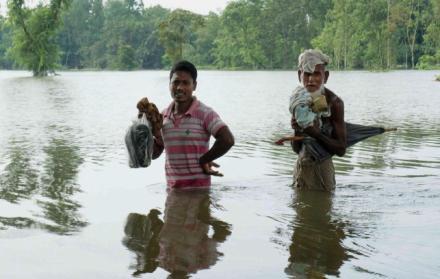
[[71, 207]]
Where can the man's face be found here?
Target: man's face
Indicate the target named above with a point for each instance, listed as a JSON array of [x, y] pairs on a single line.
[[313, 81], [182, 86]]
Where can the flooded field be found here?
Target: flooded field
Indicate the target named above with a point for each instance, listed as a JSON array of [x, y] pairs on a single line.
[[70, 207]]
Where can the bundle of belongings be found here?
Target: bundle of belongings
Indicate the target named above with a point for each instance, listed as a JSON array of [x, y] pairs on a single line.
[[308, 110], [139, 138]]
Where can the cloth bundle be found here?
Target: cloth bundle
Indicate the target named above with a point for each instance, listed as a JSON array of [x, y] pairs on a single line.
[[306, 109], [152, 113]]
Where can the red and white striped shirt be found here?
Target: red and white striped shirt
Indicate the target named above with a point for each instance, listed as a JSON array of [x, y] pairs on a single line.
[[186, 139]]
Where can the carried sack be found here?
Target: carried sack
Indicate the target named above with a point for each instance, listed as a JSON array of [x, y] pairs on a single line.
[[139, 141]]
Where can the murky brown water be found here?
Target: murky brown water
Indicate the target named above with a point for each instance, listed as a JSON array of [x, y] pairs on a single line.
[[71, 208]]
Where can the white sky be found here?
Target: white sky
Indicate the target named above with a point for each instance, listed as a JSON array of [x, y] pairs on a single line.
[[197, 6]]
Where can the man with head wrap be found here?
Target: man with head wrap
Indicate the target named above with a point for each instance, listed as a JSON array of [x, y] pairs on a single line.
[[330, 131]]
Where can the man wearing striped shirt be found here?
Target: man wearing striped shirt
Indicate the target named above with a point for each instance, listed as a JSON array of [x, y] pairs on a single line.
[[188, 125]]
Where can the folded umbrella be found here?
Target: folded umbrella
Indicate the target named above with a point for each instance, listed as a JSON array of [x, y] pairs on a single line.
[[355, 134]]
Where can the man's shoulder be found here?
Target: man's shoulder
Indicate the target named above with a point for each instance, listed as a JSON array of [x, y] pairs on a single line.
[[332, 97], [203, 108]]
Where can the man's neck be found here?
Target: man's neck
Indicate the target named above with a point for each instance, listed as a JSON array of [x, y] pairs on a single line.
[[318, 92], [181, 108]]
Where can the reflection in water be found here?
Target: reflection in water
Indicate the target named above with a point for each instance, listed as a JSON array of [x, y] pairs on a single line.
[[180, 243], [18, 180], [57, 184], [142, 237], [316, 249], [38, 172], [25, 223]]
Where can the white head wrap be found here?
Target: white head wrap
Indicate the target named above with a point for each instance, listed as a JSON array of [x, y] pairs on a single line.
[[310, 58]]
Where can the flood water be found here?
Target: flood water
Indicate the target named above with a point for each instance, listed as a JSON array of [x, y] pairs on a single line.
[[70, 207]]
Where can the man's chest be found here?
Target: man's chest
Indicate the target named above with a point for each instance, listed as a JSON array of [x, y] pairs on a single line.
[[183, 127]]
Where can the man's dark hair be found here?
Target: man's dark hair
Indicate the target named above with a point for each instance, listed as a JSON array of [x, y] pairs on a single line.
[[185, 66]]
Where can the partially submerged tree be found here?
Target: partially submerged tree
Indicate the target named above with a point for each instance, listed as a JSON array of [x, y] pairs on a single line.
[[34, 46]]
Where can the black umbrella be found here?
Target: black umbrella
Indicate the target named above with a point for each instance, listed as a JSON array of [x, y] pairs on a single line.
[[355, 134]]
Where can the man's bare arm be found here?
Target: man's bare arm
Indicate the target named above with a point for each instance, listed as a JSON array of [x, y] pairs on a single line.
[[288, 138], [224, 140], [157, 147], [297, 144]]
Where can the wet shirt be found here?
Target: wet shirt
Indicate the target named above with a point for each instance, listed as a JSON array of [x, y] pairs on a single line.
[[186, 139]]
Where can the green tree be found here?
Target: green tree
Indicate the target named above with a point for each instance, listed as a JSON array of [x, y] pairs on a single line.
[[73, 33], [5, 42], [248, 34], [124, 28], [151, 51], [94, 47], [267, 34], [126, 58], [238, 43], [177, 33], [202, 51], [34, 45], [80, 37], [374, 22], [285, 20], [431, 46], [119, 35], [409, 16], [355, 34], [342, 36], [292, 24]]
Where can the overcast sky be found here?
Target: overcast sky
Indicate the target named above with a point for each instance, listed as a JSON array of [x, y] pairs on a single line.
[[197, 6]]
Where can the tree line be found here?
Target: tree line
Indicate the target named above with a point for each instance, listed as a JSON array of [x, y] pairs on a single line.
[[247, 34]]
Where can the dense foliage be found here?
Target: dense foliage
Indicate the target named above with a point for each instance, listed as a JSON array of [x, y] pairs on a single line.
[[248, 34], [34, 45]]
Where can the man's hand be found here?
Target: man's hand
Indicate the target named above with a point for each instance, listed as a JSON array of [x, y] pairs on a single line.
[[288, 138], [313, 130], [158, 135], [280, 141], [207, 169], [224, 140], [294, 124]]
